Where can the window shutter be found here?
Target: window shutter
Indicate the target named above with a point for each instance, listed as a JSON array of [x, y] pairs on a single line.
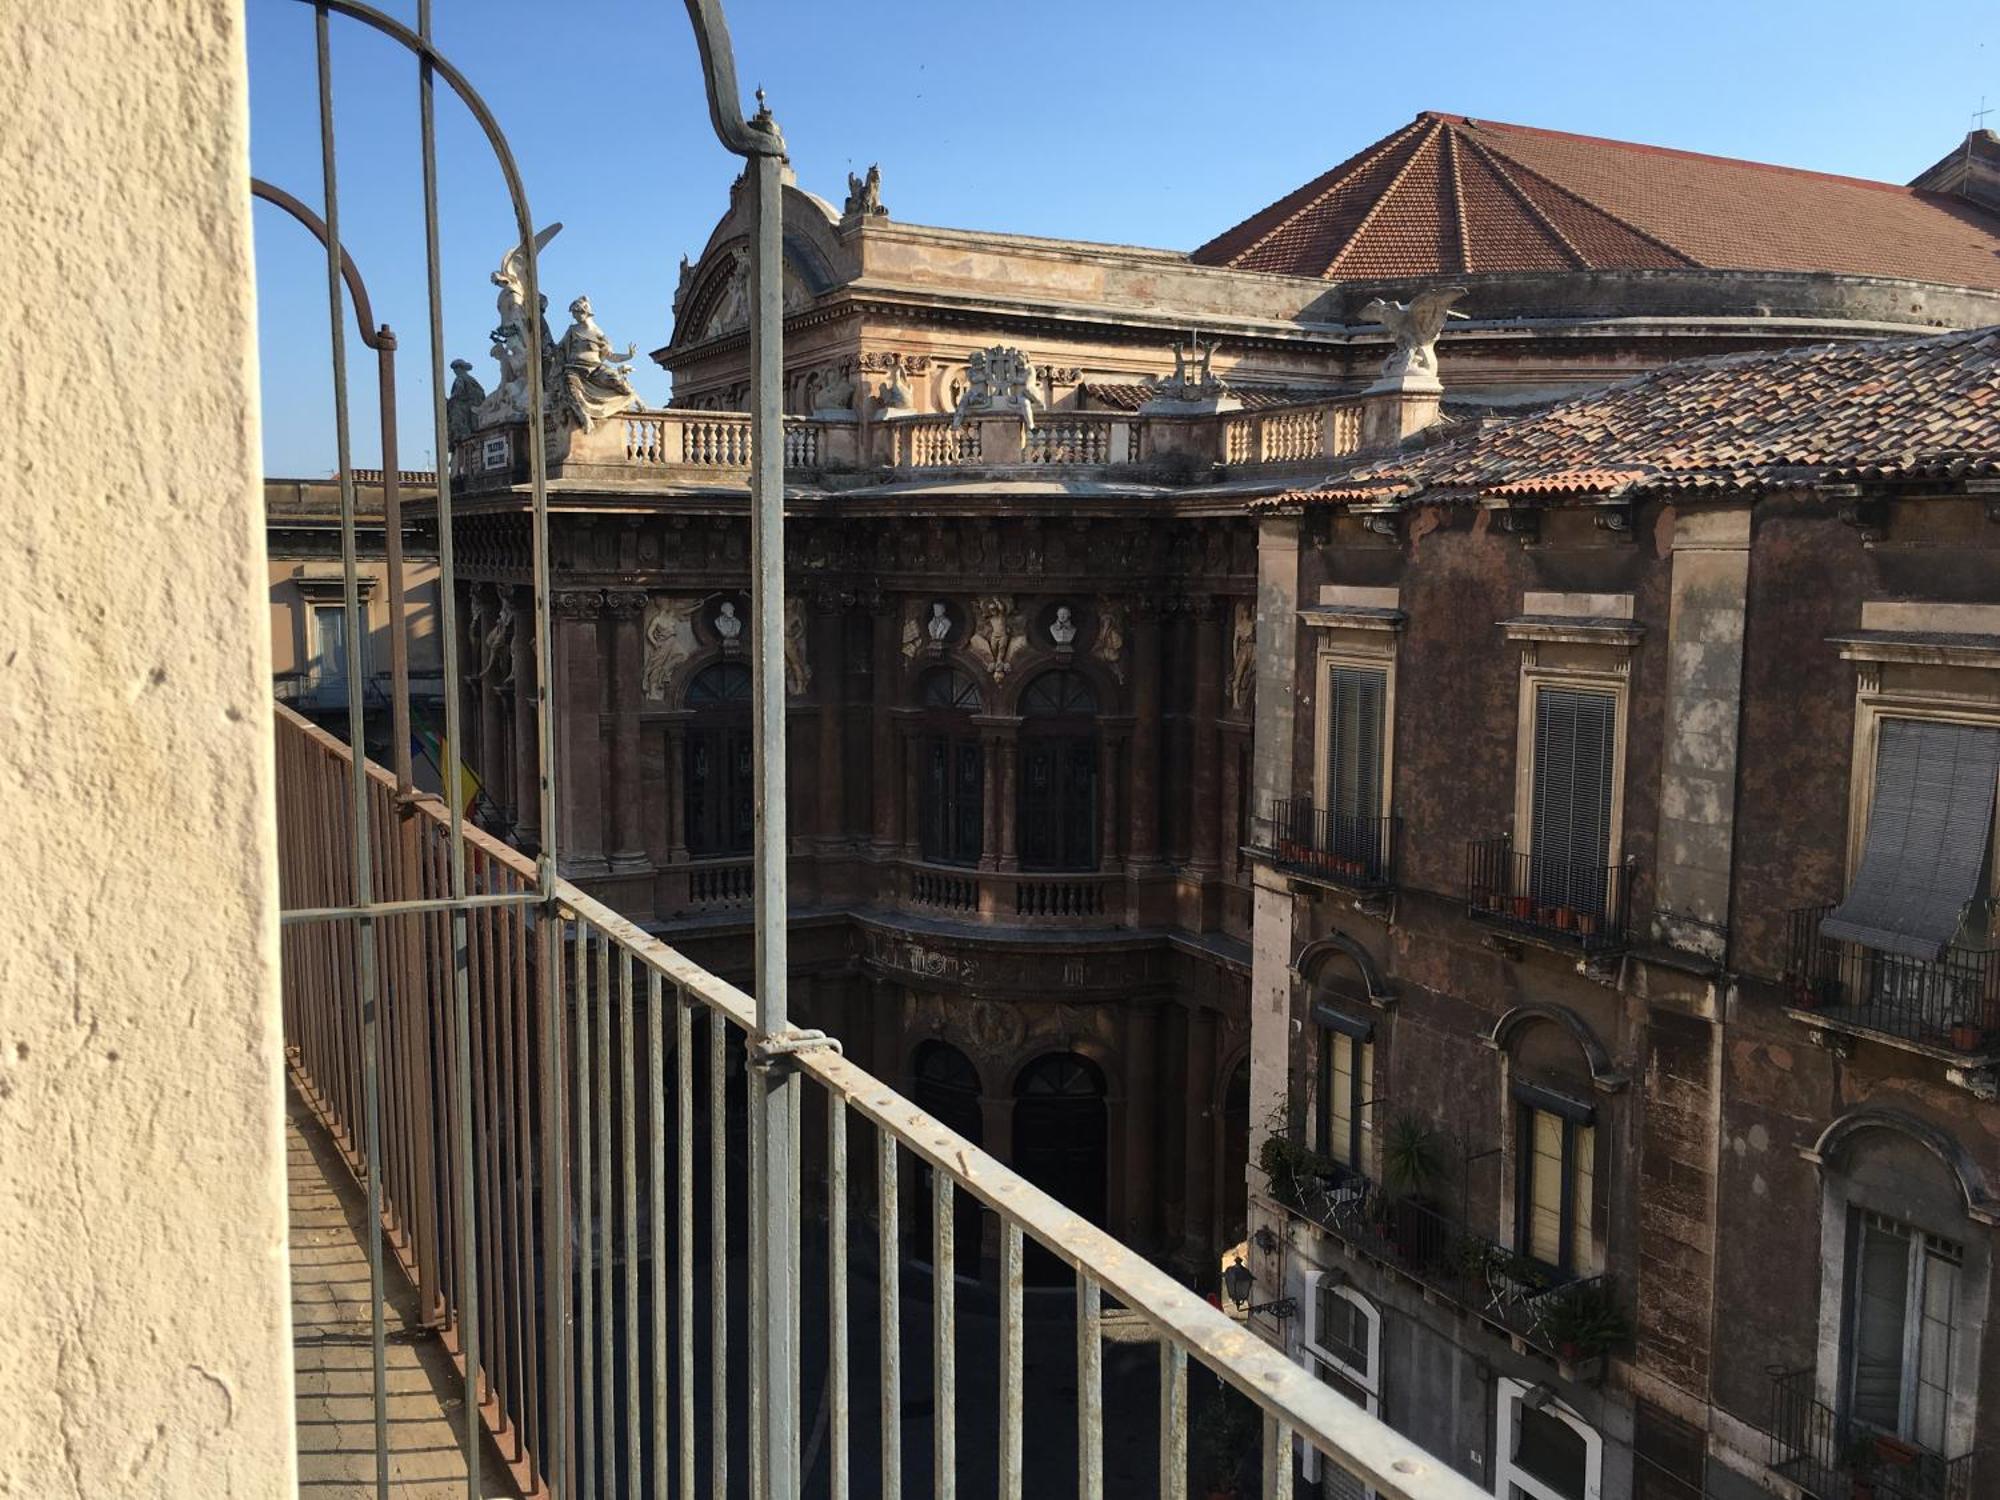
[[1355, 755], [1881, 1300], [1575, 733], [1928, 830]]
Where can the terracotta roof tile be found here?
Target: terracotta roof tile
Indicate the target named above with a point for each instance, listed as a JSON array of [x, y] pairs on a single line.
[[1885, 409], [1447, 194]]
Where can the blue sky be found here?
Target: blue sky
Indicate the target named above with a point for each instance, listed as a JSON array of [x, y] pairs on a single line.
[[1153, 122]]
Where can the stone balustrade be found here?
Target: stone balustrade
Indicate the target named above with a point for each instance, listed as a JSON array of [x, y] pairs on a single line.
[[688, 445]]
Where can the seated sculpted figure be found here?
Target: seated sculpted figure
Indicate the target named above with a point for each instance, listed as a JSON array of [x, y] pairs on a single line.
[[596, 379]]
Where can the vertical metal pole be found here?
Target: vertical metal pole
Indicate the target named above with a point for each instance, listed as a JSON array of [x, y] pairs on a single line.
[[656, 1225], [1173, 1420], [944, 1341], [774, 1167], [364, 934], [1010, 1360], [889, 1251], [392, 558], [1089, 1389], [836, 1290]]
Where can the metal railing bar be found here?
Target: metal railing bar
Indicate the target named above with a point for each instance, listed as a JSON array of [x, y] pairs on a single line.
[[656, 1226], [944, 1342], [486, 1194], [601, 1225], [553, 1209], [1089, 1388], [1011, 1391], [836, 1293], [1277, 1459], [586, 1328], [1173, 1421], [521, 1189], [890, 1255], [684, 1186], [421, 907], [718, 1251], [629, 1177], [364, 936]]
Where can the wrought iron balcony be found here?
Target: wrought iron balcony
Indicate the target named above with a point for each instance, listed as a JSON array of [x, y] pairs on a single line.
[[1951, 1002], [1552, 899], [1572, 1320], [1832, 1458], [1341, 848]]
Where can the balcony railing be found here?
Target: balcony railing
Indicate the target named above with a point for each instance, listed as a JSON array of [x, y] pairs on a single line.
[[1084, 899], [571, 1124], [1572, 1320], [1951, 1002], [1347, 850], [1551, 899], [1832, 1458]]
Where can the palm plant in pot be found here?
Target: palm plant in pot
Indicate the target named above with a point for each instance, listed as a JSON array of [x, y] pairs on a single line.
[[1413, 1169], [1584, 1323]]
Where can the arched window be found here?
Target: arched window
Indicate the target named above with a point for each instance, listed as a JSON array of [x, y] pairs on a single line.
[[1059, 1141], [1546, 1451], [716, 786], [1343, 1348], [1058, 796], [951, 801], [946, 1085]]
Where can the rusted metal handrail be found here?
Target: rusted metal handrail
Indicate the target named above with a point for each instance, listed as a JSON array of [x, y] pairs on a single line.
[[590, 1011]]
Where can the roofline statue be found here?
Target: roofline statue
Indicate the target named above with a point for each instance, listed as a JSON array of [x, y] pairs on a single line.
[[1415, 326]]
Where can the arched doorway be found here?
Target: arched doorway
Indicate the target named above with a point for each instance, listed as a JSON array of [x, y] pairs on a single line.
[[945, 1084], [1058, 797], [1060, 1136], [716, 788]]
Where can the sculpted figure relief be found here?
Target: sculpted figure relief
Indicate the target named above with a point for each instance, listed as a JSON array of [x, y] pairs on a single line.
[[999, 380], [864, 195], [1109, 647], [997, 636], [496, 634], [461, 407], [670, 641], [939, 625], [728, 625], [1242, 655], [596, 380], [913, 631], [1062, 629], [1415, 326], [798, 673], [518, 338]]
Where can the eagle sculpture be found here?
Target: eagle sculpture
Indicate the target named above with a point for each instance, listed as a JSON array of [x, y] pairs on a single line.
[[1415, 326]]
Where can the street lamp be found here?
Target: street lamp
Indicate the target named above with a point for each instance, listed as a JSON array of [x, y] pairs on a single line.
[[1238, 1282]]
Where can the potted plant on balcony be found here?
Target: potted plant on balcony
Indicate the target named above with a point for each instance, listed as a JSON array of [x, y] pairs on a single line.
[[1413, 1168], [1967, 1035], [1291, 1167], [1583, 1323]]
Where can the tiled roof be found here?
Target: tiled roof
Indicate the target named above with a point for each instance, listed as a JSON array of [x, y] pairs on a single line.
[[1446, 195], [1886, 409]]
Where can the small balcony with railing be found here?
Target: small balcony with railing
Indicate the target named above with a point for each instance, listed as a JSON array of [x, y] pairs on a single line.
[[1948, 1004], [1352, 851], [1831, 1457], [1553, 901], [1571, 1320]]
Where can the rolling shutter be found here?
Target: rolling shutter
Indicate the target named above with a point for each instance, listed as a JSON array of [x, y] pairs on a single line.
[[1928, 830]]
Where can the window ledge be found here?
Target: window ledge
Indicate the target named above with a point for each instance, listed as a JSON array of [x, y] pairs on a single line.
[[1919, 647], [1579, 629], [1353, 617]]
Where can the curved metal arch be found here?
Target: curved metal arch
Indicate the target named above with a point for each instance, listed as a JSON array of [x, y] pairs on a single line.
[[1314, 955], [754, 137], [1604, 1077], [1830, 1152], [364, 314]]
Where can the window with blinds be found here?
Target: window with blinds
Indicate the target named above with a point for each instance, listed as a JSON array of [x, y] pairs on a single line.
[[1356, 696], [1344, 1067], [1575, 746]]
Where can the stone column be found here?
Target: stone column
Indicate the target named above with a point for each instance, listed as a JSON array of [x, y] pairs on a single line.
[[493, 732], [1205, 846], [907, 812], [627, 609], [677, 844], [991, 782], [1273, 913], [1143, 845], [828, 648], [527, 745], [1107, 801], [1204, 1135], [1135, 1188], [887, 669], [1010, 798], [579, 694]]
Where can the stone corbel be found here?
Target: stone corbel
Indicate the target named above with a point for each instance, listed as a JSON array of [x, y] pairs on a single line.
[[1381, 520], [1839, 1043], [1615, 516], [1982, 1082], [1523, 523]]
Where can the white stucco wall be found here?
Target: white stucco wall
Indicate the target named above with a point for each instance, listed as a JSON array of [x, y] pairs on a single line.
[[144, 1334]]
